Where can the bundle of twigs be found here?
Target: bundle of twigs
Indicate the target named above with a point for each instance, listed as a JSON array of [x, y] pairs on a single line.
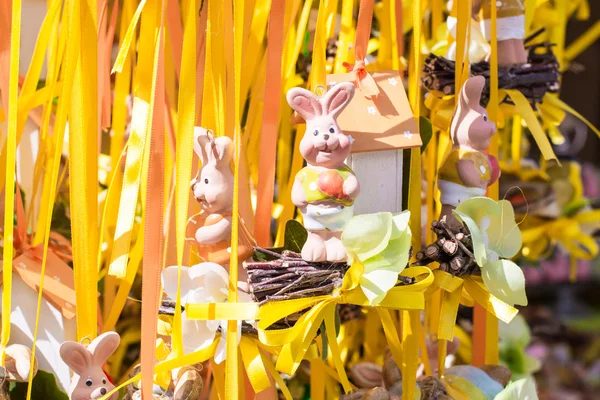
[[538, 76], [453, 249], [288, 276]]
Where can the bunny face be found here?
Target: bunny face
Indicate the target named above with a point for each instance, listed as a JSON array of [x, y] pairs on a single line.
[[323, 144], [89, 381], [213, 187], [470, 125]]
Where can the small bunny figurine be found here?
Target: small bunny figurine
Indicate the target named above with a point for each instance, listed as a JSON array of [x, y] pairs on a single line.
[[326, 188], [210, 230], [467, 171], [89, 381]]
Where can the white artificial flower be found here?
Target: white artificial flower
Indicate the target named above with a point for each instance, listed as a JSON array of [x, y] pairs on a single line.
[[206, 282]]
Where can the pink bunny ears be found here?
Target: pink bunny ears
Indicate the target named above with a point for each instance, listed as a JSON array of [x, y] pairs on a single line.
[[310, 106], [81, 359], [217, 151], [469, 98], [470, 95]]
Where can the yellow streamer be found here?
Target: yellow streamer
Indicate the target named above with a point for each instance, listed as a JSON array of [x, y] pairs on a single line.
[[9, 188]]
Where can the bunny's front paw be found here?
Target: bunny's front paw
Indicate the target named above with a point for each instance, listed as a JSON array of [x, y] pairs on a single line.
[[336, 252], [351, 187], [314, 248]]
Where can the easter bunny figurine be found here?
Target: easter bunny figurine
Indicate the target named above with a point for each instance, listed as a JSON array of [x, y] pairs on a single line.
[[467, 171], [210, 230], [89, 381], [325, 189]]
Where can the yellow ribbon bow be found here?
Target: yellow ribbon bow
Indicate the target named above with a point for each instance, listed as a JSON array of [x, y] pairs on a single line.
[[296, 341], [468, 290], [566, 231]]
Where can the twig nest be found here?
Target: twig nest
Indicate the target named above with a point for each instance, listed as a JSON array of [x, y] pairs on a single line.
[[366, 375], [18, 363], [499, 373]]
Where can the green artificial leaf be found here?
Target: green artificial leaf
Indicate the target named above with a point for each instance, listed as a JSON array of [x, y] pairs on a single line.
[[523, 389], [426, 131], [325, 342], [293, 240], [43, 387], [295, 236], [505, 280]]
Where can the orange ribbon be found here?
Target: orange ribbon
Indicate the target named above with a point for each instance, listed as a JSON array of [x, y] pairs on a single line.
[[270, 125], [153, 226], [28, 263], [363, 31]]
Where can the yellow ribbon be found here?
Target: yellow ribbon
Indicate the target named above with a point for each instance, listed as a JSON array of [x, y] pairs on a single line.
[[566, 231], [295, 341], [11, 147], [457, 290]]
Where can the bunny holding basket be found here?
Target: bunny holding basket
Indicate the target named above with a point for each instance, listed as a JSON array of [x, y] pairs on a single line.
[[210, 230], [325, 189], [467, 171]]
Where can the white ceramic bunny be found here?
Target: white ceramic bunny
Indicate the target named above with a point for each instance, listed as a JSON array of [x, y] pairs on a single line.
[[326, 188], [89, 381], [210, 230]]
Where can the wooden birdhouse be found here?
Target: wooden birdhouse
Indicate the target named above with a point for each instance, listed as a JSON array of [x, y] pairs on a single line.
[[382, 126]]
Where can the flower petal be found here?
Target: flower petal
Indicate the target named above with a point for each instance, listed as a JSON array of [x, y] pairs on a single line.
[[221, 350], [196, 334], [168, 279], [479, 249], [367, 235], [376, 284], [523, 389], [478, 208], [210, 270], [505, 280], [517, 331], [504, 234]]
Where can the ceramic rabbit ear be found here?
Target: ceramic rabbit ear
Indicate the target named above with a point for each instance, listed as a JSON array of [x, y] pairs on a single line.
[[223, 150], [337, 98], [304, 102], [470, 95], [201, 140], [103, 346], [77, 357]]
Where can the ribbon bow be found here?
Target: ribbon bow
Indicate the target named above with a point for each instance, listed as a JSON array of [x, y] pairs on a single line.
[[296, 341], [566, 231], [467, 290], [364, 79]]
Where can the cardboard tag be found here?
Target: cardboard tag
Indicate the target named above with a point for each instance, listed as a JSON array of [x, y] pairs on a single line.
[[383, 123]]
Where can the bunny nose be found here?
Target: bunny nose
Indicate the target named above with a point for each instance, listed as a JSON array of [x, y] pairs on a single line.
[[326, 136], [103, 391]]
